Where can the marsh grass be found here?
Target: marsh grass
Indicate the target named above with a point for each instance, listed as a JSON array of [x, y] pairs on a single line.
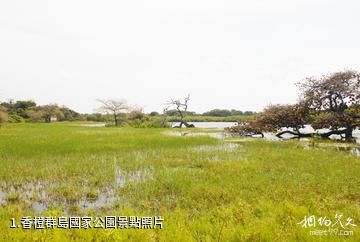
[[205, 188]]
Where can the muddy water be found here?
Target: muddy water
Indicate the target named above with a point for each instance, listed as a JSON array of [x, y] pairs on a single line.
[[208, 125], [35, 196]]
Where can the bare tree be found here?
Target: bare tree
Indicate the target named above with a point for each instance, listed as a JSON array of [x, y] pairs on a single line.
[[113, 107], [181, 107]]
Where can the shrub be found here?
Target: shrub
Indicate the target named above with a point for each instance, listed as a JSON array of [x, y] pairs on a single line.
[[3, 117], [14, 118]]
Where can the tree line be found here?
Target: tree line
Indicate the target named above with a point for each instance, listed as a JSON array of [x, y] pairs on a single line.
[[111, 110]]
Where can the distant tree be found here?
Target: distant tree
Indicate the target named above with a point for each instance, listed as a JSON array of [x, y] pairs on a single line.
[[218, 113], [181, 107], [113, 107], [154, 113], [19, 107], [249, 113], [236, 112], [136, 113], [68, 114], [226, 113], [175, 112], [96, 117], [35, 114], [24, 104], [50, 111]]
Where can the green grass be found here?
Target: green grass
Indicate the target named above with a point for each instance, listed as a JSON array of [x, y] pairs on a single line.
[[206, 189]]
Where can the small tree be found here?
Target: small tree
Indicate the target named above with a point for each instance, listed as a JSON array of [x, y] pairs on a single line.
[[50, 111], [181, 107], [35, 115], [113, 107]]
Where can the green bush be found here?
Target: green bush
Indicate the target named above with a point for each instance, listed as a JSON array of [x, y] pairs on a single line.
[[14, 118], [153, 122], [3, 117]]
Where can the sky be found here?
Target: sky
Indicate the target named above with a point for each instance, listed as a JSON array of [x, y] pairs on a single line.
[[236, 54]]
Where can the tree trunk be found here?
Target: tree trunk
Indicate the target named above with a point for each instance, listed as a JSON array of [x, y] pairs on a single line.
[[348, 134], [298, 134], [115, 119]]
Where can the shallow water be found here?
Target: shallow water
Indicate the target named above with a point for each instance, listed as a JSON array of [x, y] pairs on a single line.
[[104, 199], [2, 198], [123, 177], [226, 146], [39, 207], [93, 125], [185, 132], [208, 125], [34, 194]]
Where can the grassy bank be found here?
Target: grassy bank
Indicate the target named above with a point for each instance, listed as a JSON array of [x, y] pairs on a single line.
[[206, 189]]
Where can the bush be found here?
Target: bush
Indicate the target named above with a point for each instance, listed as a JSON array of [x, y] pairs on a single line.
[[154, 122], [3, 117], [14, 118], [34, 115], [154, 113]]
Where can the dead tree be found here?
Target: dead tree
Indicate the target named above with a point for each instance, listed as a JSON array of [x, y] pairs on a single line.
[[181, 108]]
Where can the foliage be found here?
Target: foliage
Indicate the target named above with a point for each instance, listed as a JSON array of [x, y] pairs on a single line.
[[35, 115], [50, 111], [152, 122], [23, 110], [234, 119], [14, 118], [96, 117], [212, 113], [226, 113], [68, 114], [3, 117], [19, 107], [334, 100], [334, 92], [174, 112], [273, 118], [154, 113]]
